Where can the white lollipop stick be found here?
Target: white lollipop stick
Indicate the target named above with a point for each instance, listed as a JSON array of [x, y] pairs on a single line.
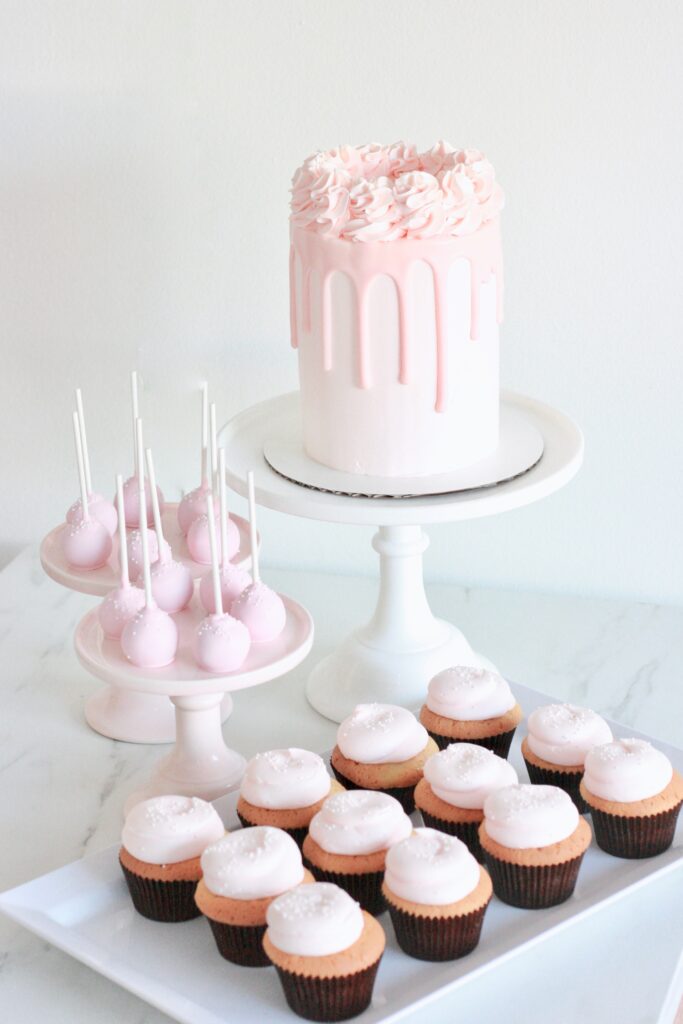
[[224, 508], [123, 547], [155, 505], [205, 432], [149, 599], [252, 528], [136, 413], [215, 573], [84, 440], [81, 468], [214, 446]]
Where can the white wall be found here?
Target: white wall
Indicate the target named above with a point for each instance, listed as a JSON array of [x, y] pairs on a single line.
[[146, 149]]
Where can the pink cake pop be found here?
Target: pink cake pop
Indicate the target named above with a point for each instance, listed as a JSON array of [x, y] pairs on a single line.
[[99, 506], [172, 585], [221, 643], [193, 504], [233, 579], [198, 543], [86, 544], [131, 495], [258, 607], [122, 603], [150, 638]]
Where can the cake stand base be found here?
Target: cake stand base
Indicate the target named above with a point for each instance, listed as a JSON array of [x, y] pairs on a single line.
[[133, 717]]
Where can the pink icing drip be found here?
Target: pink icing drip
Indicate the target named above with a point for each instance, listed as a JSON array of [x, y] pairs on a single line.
[[292, 297], [363, 263]]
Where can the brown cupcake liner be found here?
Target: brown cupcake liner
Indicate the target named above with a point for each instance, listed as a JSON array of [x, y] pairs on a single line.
[[404, 794], [466, 831], [499, 744], [328, 999], [568, 781], [240, 944], [169, 902], [633, 838], [437, 938], [365, 888], [532, 887], [297, 834]]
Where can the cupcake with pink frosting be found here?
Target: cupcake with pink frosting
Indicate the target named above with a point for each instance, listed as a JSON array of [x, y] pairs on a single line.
[[559, 738], [241, 876], [471, 705], [534, 840], [326, 951], [284, 789], [437, 895], [456, 783], [348, 841], [161, 845], [634, 796], [384, 747]]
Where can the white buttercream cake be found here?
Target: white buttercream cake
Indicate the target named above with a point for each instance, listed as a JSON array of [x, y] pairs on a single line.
[[396, 296]]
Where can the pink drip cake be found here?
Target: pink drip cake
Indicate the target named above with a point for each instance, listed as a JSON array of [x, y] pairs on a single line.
[[396, 297]]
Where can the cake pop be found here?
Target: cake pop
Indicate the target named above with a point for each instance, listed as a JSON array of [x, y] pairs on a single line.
[[198, 543], [233, 578], [258, 607], [193, 504], [131, 497], [221, 643], [86, 544], [99, 506], [124, 601], [172, 585], [150, 638]]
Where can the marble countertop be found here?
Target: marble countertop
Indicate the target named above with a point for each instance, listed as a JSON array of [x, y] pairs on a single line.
[[62, 786]]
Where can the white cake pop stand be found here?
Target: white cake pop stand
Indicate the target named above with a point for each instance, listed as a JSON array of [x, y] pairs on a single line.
[[200, 764], [122, 714], [393, 657]]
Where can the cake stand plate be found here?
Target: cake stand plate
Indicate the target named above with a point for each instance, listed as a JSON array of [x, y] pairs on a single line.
[[200, 764], [520, 448], [393, 657]]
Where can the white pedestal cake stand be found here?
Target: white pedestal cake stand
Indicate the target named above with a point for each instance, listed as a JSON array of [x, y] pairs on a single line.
[[392, 658], [113, 711], [200, 764]]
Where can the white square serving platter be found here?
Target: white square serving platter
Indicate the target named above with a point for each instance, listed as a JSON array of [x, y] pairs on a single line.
[[84, 909]]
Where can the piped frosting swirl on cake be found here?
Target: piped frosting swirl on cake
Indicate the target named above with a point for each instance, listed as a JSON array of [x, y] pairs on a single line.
[[522, 817], [381, 734], [626, 770], [252, 864], [359, 822], [469, 694], [431, 867], [285, 779], [314, 920], [464, 774], [170, 829], [563, 733]]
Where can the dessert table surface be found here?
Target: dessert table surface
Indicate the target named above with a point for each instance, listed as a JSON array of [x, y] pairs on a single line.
[[62, 786]]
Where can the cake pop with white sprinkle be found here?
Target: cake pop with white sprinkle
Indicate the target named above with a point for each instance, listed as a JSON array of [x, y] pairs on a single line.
[[124, 601], [193, 505], [98, 506], [260, 609], [87, 543], [198, 543], [131, 496], [172, 584], [233, 578]]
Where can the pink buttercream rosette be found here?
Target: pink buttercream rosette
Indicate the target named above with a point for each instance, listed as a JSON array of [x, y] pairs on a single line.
[[376, 193]]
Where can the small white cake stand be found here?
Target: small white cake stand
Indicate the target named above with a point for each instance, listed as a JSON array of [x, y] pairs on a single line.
[[200, 764], [114, 712], [393, 657]]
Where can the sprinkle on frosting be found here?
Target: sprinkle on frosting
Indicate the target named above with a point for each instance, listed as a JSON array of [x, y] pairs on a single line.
[[314, 920], [564, 733], [359, 822], [523, 816], [252, 863], [381, 734], [464, 774], [626, 770], [431, 867], [469, 694]]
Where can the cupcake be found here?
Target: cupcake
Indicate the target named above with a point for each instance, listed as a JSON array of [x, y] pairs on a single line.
[[471, 705], [559, 737], [348, 841], [326, 951], [456, 782], [284, 788], [162, 841], [382, 746], [241, 876], [634, 796], [437, 895], [533, 840]]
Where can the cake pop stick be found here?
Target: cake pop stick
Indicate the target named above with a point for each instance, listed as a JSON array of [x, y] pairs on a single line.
[[86, 543], [146, 575], [172, 584], [223, 509], [193, 504], [84, 440], [125, 601], [198, 535], [260, 609], [233, 578], [130, 487], [214, 446], [164, 550], [81, 468], [123, 547], [215, 571], [98, 505]]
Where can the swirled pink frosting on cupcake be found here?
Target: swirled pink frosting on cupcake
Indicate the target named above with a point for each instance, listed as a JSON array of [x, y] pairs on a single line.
[[381, 193], [521, 817], [170, 829], [252, 864], [469, 694], [381, 734], [464, 774], [564, 733], [431, 867], [314, 920], [285, 779], [626, 771], [359, 822]]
